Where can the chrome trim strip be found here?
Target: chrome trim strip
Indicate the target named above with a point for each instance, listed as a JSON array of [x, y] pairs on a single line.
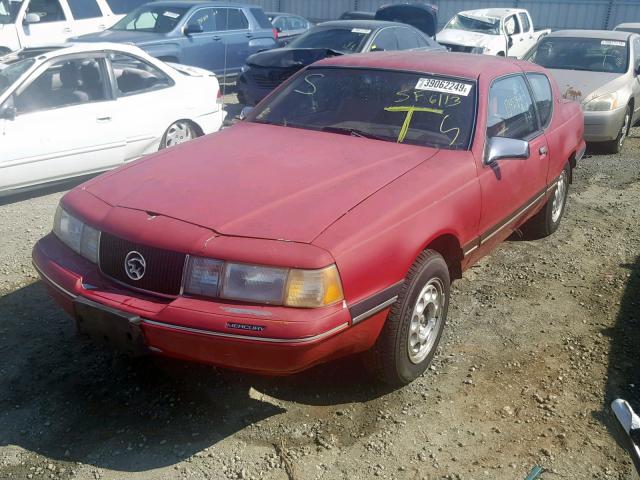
[[55, 284], [247, 337], [374, 310]]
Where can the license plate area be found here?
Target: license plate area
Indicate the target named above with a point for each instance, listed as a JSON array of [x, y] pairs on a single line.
[[114, 328]]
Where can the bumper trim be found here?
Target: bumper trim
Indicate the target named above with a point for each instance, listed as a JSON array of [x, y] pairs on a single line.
[[53, 283], [211, 333]]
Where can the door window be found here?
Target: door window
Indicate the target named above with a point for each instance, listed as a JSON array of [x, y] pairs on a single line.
[[511, 25], [511, 111], [65, 83], [408, 39], [82, 9], [205, 18], [543, 96], [524, 20], [298, 23], [135, 76], [230, 19], [280, 23], [47, 10], [385, 40]]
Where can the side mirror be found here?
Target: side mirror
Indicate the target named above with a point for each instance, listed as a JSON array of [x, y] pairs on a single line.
[[244, 113], [32, 18], [193, 28], [500, 148], [8, 113]]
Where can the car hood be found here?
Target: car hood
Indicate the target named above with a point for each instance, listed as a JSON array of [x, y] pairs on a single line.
[[284, 184], [583, 86], [465, 38], [289, 57], [121, 36]]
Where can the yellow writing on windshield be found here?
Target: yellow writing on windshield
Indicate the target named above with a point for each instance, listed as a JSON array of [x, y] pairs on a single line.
[[410, 110]]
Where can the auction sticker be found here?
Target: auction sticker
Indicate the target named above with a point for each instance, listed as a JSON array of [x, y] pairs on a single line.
[[361, 30], [444, 86], [613, 43], [169, 14]]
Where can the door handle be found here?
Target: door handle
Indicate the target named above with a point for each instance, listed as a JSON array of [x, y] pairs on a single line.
[[543, 150], [103, 119]]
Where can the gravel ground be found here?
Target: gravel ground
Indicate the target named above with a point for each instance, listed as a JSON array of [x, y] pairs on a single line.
[[541, 336]]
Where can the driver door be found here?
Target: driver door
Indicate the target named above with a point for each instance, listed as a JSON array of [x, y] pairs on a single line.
[[54, 24], [63, 126]]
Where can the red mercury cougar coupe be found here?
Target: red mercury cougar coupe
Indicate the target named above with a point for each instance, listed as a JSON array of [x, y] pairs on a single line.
[[331, 221]]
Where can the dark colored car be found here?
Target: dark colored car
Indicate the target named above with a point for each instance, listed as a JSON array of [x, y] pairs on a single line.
[[266, 70], [358, 16], [288, 26], [216, 36]]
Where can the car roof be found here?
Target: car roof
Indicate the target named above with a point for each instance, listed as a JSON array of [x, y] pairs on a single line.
[[198, 3], [462, 65], [367, 24], [601, 34], [492, 12], [629, 24]]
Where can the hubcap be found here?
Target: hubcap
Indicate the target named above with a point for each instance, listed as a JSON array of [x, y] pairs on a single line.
[[625, 129], [425, 321], [559, 197], [178, 133]]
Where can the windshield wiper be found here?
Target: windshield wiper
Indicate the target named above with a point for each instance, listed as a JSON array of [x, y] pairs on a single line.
[[354, 132]]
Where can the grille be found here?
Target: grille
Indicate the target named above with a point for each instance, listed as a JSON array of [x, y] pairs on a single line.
[[269, 78], [163, 269], [456, 48]]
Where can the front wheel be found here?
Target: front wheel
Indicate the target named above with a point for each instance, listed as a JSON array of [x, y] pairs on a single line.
[[547, 220], [179, 132], [411, 334], [615, 146]]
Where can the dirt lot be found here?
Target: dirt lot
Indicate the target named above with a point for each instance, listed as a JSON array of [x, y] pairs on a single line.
[[541, 336]]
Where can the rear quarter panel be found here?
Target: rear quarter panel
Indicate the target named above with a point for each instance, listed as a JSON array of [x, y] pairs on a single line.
[[376, 243]]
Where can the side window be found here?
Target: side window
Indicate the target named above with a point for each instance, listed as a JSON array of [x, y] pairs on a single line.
[[136, 76], [543, 96], [511, 113], [63, 84], [230, 19], [407, 39], [385, 40], [47, 10], [280, 23], [511, 25], [205, 18], [636, 50], [298, 23], [81, 9], [524, 20]]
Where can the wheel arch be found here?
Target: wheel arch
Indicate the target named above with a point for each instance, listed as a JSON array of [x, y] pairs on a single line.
[[448, 245]]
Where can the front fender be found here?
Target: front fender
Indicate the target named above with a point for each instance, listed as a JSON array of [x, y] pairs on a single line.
[[163, 50]]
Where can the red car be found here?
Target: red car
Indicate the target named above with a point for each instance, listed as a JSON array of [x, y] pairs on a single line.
[[331, 221]]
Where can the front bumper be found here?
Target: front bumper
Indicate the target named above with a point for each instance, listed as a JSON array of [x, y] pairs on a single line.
[[603, 126], [206, 331]]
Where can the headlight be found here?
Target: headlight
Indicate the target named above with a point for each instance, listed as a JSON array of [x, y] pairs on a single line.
[[245, 68], [261, 284], [76, 235], [602, 103], [479, 50]]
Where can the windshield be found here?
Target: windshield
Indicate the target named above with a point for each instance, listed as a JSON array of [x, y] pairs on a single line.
[[590, 54], [348, 40], [9, 10], [488, 25], [10, 72], [411, 108], [152, 19]]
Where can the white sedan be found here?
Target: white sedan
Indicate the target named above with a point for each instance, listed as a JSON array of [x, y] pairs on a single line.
[[80, 109]]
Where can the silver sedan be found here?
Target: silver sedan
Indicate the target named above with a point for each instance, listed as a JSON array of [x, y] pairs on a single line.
[[599, 69]]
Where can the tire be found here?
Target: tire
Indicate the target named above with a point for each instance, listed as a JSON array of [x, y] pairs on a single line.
[[177, 133], [615, 146], [400, 354], [547, 220]]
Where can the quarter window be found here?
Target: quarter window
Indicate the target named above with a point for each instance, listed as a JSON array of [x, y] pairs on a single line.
[[82, 9], [230, 19], [47, 10], [136, 76], [407, 39], [63, 84], [511, 113], [543, 96]]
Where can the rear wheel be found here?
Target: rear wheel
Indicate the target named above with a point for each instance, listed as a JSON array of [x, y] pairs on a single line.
[[547, 220], [614, 146], [179, 132], [411, 334]]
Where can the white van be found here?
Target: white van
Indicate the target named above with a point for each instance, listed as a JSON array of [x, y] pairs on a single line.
[[35, 23]]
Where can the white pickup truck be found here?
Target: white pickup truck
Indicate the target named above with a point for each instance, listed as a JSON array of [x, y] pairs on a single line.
[[36, 23], [491, 31]]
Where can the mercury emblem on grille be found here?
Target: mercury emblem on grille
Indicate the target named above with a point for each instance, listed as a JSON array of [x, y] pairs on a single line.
[[134, 265]]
